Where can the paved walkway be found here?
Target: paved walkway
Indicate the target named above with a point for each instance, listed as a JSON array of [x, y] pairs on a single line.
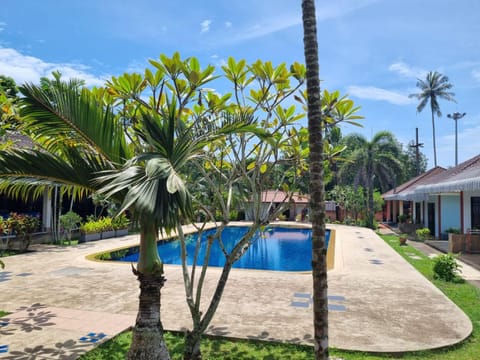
[[62, 304], [469, 263]]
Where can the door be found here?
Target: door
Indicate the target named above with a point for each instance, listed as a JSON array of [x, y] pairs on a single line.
[[475, 204], [431, 218]]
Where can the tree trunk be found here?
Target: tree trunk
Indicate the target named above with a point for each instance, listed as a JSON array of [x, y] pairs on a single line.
[[147, 338], [201, 320], [370, 177], [317, 191], [433, 133], [192, 345]]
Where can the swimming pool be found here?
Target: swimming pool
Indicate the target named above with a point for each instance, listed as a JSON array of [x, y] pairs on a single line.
[[277, 248]]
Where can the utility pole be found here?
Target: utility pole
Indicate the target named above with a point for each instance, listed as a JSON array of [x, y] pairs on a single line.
[[456, 116], [417, 152]]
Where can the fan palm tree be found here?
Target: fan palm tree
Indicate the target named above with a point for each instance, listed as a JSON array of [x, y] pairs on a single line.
[[77, 139], [435, 86], [317, 191], [372, 161]]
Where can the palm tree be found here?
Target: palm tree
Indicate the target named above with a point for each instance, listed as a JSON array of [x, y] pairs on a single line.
[[370, 162], [79, 137], [317, 192], [434, 87]]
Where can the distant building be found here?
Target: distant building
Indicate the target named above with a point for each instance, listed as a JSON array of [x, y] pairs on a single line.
[[440, 199], [296, 206]]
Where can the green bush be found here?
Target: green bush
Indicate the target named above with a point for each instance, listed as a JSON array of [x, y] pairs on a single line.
[[120, 221], [22, 225], [423, 234], [452, 231], [69, 222], [445, 267]]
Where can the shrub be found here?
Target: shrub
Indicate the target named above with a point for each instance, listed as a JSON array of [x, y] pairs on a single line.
[[423, 234], [452, 231], [94, 226], [91, 227], [22, 225], [403, 218], [445, 267], [120, 222], [69, 222]]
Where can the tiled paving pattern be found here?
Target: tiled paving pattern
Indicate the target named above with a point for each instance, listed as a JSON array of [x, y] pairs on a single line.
[[92, 337], [304, 300]]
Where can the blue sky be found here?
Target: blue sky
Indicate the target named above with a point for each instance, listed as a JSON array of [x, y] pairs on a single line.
[[373, 50]]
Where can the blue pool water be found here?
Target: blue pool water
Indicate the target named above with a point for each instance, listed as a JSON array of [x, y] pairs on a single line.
[[277, 248]]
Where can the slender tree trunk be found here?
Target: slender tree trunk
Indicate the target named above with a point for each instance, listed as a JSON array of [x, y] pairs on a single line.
[[147, 338], [317, 191], [370, 177], [433, 137], [201, 320]]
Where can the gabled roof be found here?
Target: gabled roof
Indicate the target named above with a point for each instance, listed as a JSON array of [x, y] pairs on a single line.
[[277, 196], [405, 191], [464, 177]]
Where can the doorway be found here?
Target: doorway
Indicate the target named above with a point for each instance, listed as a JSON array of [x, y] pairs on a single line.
[[431, 218]]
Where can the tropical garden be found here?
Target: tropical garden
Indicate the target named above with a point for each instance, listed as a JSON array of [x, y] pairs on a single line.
[[166, 147], [185, 153]]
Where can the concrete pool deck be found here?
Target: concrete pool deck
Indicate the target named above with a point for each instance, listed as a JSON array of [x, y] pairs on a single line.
[[62, 304]]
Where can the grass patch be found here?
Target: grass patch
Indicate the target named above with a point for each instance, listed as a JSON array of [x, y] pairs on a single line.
[[3, 313], [5, 253], [465, 295], [212, 349]]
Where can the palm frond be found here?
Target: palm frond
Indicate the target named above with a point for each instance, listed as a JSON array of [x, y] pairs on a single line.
[[22, 171], [67, 114]]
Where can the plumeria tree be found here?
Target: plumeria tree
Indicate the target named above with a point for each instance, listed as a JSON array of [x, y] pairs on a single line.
[[215, 150]]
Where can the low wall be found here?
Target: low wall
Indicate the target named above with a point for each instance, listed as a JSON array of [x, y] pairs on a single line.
[[466, 243]]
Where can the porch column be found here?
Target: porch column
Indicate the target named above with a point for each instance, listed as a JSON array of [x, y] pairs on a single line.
[[47, 211], [439, 205], [462, 215], [389, 210]]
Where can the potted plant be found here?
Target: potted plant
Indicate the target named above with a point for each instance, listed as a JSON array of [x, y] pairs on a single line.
[[120, 224], [90, 230], [22, 226], [107, 227], [403, 239], [70, 222], [402, 219], [422, 234]]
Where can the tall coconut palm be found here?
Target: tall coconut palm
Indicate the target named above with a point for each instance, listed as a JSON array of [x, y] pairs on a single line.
[[372, 161], [435, 86], [317, 192]]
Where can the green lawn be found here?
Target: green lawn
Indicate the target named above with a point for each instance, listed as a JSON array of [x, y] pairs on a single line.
[[466, 296]]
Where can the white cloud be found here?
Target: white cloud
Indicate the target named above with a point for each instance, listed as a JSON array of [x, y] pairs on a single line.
[[374, 93], [327, 10], [217, 60], [407, 70], [476, 74], [228, 24], [205, 26], [24, 68], [3, 25]]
